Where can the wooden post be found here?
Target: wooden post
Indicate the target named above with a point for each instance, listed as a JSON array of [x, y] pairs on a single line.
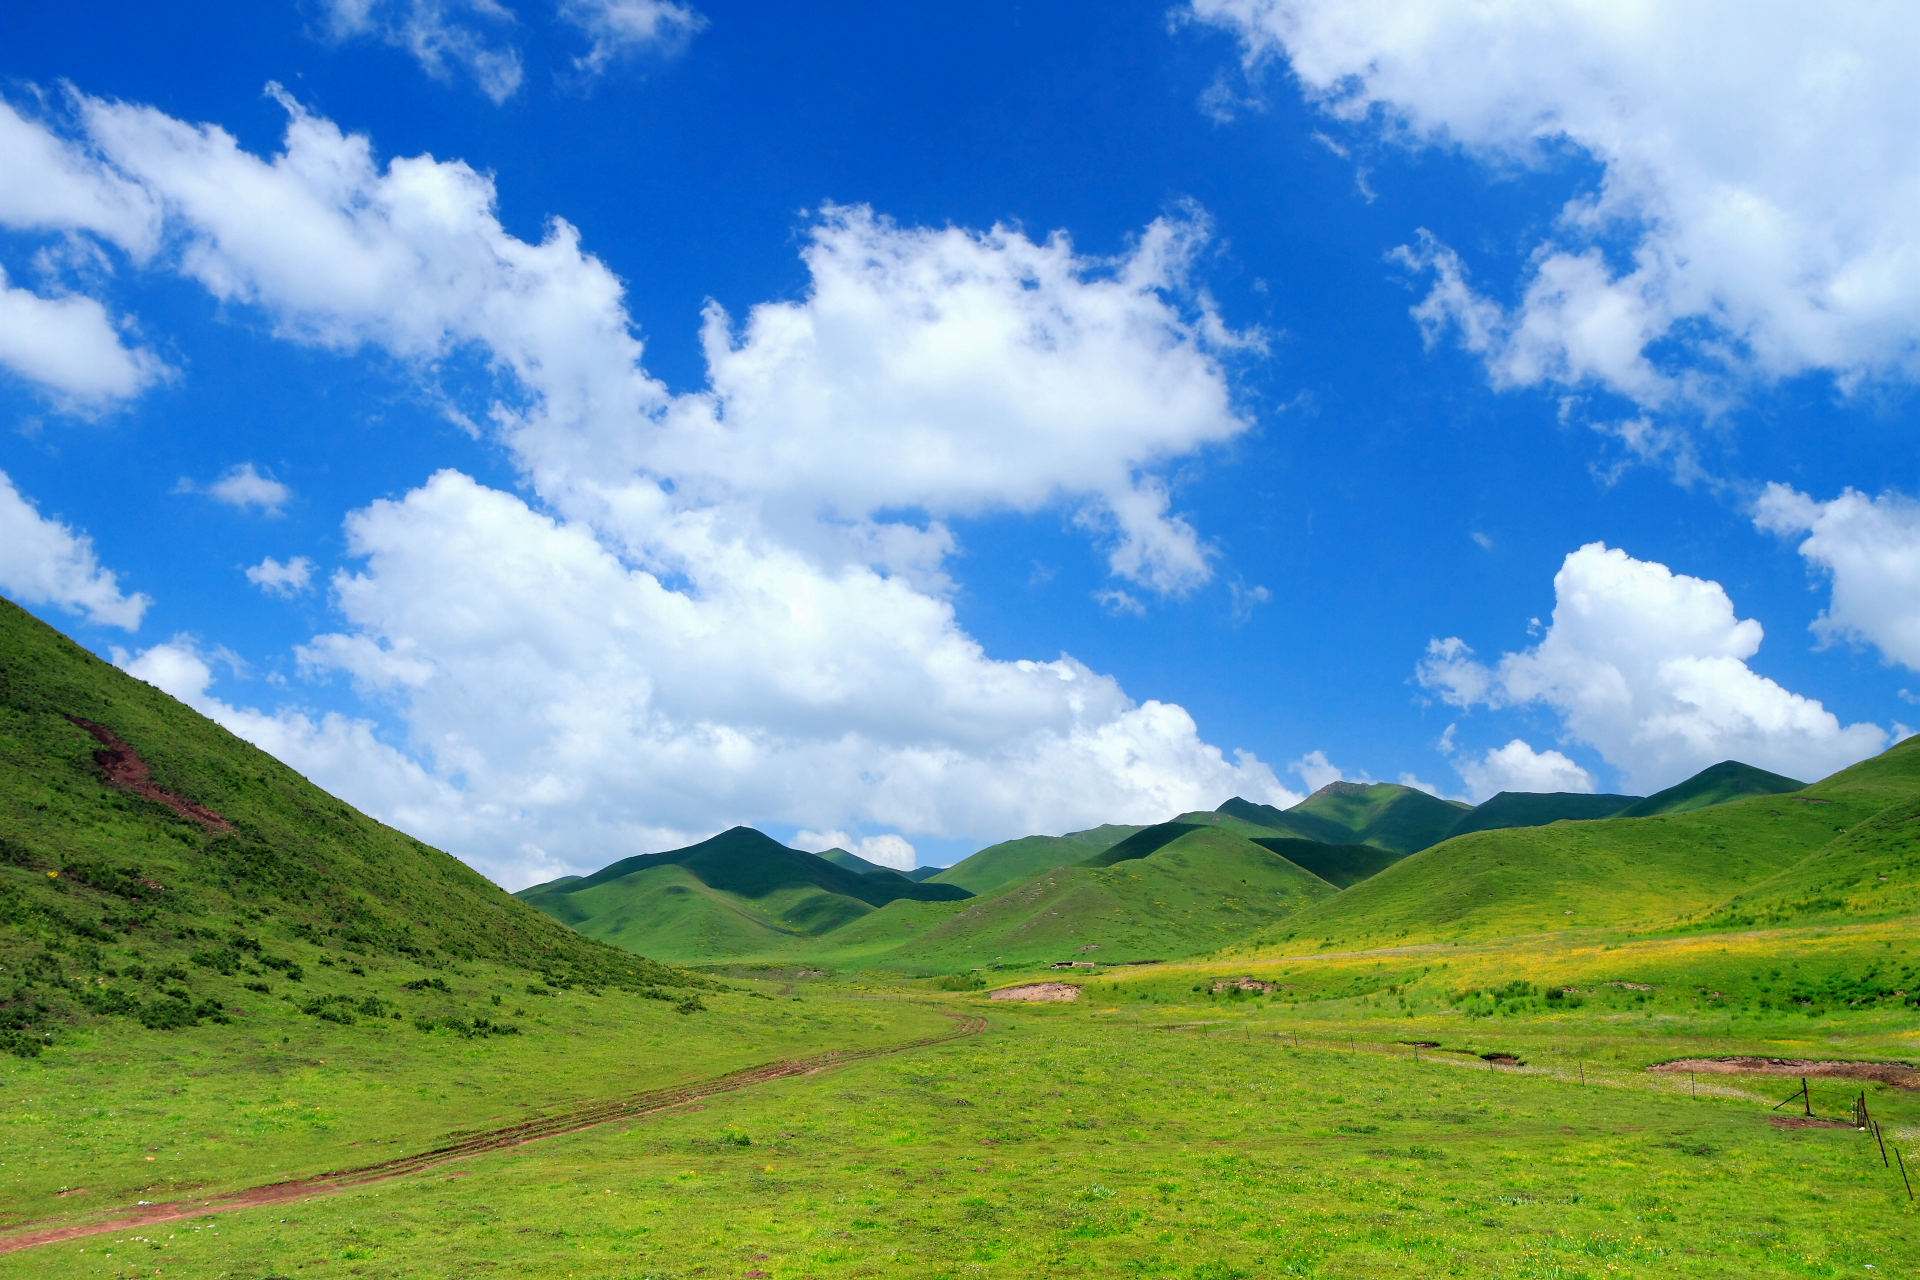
[[1583, 1071], [1806, 1096], [1903, 1173], [1882, 1140]]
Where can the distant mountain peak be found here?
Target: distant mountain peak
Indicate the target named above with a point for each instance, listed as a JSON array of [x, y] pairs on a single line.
[[1344, 788]]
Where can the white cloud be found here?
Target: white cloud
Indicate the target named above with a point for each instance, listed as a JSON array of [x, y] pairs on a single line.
[[45, 562], [1121, 604], [1649, 668], [69, 347], [617, 29], [1870, 550], [1518, 767], [884, 850], [54, 185], [732, 602], [281, 578], [446, 37], [1316, 770], [250, 489], [1752, 209]]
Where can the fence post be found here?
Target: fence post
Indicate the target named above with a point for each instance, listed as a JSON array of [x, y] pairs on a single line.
[[1806, 1096], [1881, 1138], [1903, 1173]]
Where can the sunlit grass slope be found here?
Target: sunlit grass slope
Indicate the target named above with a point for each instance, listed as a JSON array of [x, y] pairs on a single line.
[[738, 893], [114, 906], [997, 866], [1616, 872], [1383, 814], [1717, 784]]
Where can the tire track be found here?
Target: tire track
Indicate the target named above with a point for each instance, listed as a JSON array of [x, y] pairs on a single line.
[[632, 1106]]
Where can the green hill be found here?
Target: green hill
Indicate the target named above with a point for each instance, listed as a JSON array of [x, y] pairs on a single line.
[[1193, 894], [1140, 844], [855, 863], [155, 867], [919, 874], [1341, 865], [739, 892], [1383, 814], [1717, 784], [1011, 861], [1614, 872], [1538, 808]]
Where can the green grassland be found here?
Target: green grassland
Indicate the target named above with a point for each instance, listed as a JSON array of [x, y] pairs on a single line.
[[1537, 809], [1011, 861], [738, 893], [854, 862], [1717, 784], [1383, 814]]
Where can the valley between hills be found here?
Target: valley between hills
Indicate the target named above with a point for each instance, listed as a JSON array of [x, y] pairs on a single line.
[[252, 1032]]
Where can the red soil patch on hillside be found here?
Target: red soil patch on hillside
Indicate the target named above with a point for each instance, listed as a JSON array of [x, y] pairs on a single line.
[[123, 768]]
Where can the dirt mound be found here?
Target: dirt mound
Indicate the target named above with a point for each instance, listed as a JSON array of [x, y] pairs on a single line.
[[1502, 1059], [122, 767], [1807, 1122], [1242, 984], [1038, 992], [1902, 1075]]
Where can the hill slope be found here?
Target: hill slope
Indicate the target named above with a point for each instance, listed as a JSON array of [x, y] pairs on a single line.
[[1612, 871], [1537, 809], [739, 892], [1199, 891], [997, 866], [1717, 784], [153, 866], [1383, 814], [855, 863], [1341, 865]]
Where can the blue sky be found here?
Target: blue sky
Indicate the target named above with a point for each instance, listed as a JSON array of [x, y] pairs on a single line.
[[1222, 466]]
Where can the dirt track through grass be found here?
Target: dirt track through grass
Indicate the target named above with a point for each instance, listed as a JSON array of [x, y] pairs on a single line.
[[633, 1106]]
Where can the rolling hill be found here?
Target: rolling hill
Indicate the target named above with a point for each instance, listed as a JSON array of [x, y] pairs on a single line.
[[1627, 872], [859, 865], [1717, 784], [1192, 894], [997, 866], [1341, 865], [155, 867], [1537, 809], [1383, 814], [737, 893]]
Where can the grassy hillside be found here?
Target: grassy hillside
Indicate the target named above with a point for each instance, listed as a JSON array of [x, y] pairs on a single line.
[[1193, 894], [1717, 784], [1340, 865], [215, 878], [1011, 861], [855, 863], [738, 893], [1537, 809], [1382, 814], [1141, 843], [1613, 872]]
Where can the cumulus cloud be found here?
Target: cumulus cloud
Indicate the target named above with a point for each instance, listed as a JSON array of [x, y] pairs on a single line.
[[244, 486], [69, 347], [1649, 668], [43, 561], [281, 577], [618, 29], [448, 38], [55, 184], [1869, 549], [1751, 213], [1518, 767], [729, 601], [884, 850]]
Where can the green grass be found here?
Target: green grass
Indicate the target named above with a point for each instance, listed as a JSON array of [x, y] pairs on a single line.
[[1138, 1136], [738, 893], [1537, 809], [854, 862], [113, 907], [1340, 865], [1383, 814], [1728, 780], [998, 866]]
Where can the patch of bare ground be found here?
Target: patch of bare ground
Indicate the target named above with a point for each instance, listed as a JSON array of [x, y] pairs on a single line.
[[1901, 1075], [632, 1107], [123, 768], [1807, 1122], [1038, 993]]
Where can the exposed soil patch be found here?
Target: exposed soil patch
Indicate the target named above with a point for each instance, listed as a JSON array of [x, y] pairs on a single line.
[[634, 1106], [1902, 1075], [1242, 984], [1632, 986], [1807, 1122], [122, 767], [1422, 1044], [1502, 1059], [1038, 992]]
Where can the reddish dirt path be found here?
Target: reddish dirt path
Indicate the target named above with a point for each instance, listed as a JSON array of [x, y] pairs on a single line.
[[633, 1106], [123, 768]]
